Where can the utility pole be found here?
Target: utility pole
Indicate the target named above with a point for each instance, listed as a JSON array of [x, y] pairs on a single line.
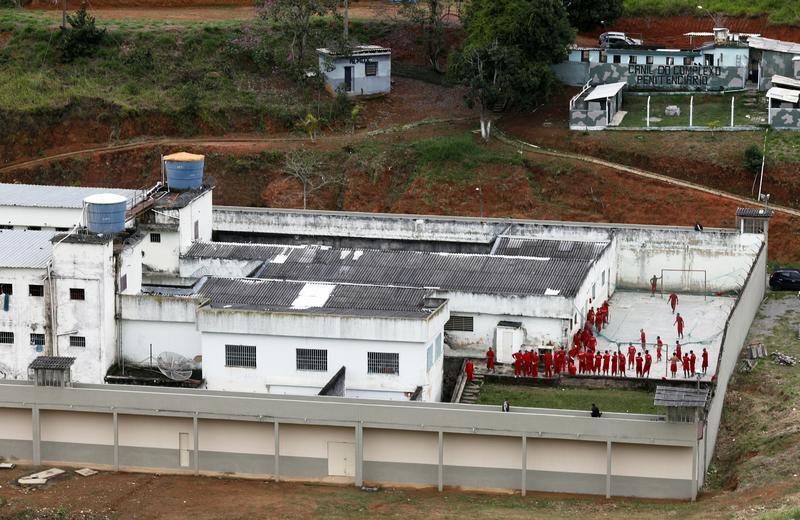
[[64, 15], [346, 20]]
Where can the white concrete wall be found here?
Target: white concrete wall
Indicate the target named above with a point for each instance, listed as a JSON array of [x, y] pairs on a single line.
[[25, 315], [166, 323], [199, 210], [90, 267], [276, 370], [130, 265], [162, 256], [598, 286], [47, 218]]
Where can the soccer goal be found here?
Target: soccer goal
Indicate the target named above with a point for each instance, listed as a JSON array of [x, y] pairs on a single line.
[[684, 280]]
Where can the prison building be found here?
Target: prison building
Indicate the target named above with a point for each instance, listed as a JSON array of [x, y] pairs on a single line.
[[784, 102], [366, 70], [595, 108]]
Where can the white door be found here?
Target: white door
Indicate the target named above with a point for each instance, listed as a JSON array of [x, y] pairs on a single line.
[[508, 345], [183, 447], [341, 459]]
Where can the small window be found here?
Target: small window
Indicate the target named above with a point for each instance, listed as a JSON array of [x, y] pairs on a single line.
[[243, 356], [459, 323], [6, 337], [649, 60], [584, 55], [155, 238], [196, 229], [670, 60], [593, 291], [37, 340], [312, 359], [6, 226], [439, 346], [34, 228], [687, 60], [603, 56], [371, 68], [77, 341], [76, 294], [429, 355], [383, 363], [36, 290], [6, 288], [632, 60], [62, 229], [617, 58], [123, 282], [603, 278]]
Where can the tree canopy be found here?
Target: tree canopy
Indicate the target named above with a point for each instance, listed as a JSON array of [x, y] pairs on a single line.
[[588, 14]]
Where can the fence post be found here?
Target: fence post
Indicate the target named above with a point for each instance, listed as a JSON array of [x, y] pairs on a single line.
[[691, 111], [648, 111], [732, 100]]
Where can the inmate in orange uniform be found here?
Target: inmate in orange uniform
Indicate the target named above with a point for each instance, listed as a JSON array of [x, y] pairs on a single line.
[[534, 364], [517, 363], [631, 354], [679, 323], [548, 364], [673, 365], [648, 360], [527, 362], [704, 366], [490, 359], [470, 369], [659, 344], [639, 362], [643, 337], [613, 363], [686, 365], [673, 301], [621, 364], [598, 358], [606, 360], [692, 361]]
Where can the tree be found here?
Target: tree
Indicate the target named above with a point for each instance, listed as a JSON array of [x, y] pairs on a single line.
[[304, 166], [431, 17], [508, 52], [292, 19], [490, 73], [309, 125], [82, 36], [588, 14], [752, 159]]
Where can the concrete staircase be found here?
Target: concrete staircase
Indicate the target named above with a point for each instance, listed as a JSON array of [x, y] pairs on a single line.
[[472, 390]]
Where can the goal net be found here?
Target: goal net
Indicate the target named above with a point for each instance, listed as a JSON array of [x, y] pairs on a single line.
[[683, 280]]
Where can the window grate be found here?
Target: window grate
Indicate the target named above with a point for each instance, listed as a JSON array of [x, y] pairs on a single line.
[[77, 294], [37, 340], [155, 238], [6, 288], [123, 282], [383, 363], [371, 68], [6, 337], [240, 356], [77, 341], [459, 323], [36, 290], [312, 359]]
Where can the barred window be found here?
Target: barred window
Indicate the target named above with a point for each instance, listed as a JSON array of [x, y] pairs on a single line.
[[383, 363], [77, 341], [461, 323], [36, 290], [77, 294], [34, 228], [240, 356], [155, 238], [371, 68], [62, 229], [123, 282], [439, 346], [312, 359], [6, 337], [37, 340], [6, 288], [429, 353]]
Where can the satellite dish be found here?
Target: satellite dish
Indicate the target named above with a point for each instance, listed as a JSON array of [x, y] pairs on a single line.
[[174, 366]]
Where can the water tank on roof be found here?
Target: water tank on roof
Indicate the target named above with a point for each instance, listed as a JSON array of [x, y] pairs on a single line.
[[184, 171], [105, 213]]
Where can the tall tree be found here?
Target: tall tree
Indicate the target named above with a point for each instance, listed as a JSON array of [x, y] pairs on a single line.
[[588, 14], [306, 168], [431, 17], [292, 19]]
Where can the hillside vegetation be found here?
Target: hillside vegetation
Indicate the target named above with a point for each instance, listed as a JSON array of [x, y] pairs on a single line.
[[778, 11]]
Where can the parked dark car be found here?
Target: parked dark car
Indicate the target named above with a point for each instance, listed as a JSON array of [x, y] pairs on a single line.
[[785, 280]]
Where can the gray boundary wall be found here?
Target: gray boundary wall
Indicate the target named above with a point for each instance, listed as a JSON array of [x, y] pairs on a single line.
[[785, 118], [312, 438], [736, 329]]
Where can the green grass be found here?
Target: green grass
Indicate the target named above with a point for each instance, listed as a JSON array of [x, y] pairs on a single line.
[[779, 11], [607, 399], [707, 108], [458, 158], [793, 513]]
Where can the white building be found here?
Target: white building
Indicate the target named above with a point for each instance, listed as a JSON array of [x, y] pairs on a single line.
[[364, 71]]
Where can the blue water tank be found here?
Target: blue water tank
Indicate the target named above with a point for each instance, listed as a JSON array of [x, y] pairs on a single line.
[[184, 171], [105, 213]]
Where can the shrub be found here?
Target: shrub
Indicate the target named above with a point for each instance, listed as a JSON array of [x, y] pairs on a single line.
[[83, 36], [752, 159]]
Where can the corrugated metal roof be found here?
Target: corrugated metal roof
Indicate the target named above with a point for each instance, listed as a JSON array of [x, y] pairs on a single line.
[[542, 248], [43, 196], [25, 249], [237, 251], [768, 44], [52, 362], [792, 83], [784, 94], [683, 397], [447, 271], [351, 300], [754, 212]]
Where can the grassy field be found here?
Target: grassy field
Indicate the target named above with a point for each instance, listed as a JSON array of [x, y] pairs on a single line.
[[779, 11], [707, 110], [610, 400]]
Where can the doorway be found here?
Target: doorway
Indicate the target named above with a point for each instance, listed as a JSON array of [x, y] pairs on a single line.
[[341, 459], [348, 79]]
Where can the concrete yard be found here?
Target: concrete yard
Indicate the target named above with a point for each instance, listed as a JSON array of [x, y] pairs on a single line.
[[704, 320]]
